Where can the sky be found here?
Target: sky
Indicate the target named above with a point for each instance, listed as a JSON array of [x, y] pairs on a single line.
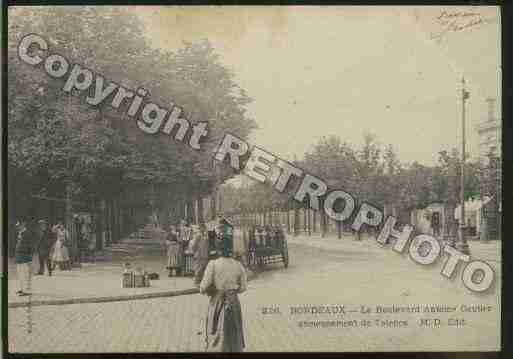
[[317, 71]]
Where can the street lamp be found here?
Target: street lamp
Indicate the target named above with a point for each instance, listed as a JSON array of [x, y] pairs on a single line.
[[462, 244]]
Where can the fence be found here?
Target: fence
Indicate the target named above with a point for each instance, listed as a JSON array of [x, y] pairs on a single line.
[[297, 221]]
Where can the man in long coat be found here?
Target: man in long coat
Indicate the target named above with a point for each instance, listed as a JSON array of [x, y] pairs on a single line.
[[45, 244], [25, 245], [200, 250]]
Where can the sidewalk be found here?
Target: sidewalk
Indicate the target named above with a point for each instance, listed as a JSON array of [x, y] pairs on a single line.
[[102, 281], [95, 280]]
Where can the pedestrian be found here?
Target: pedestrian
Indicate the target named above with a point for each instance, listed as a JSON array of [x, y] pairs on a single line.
[[186, 233], [77, 230], [212, 240], [268, 236], [200, 250], [181, 227], [46, 241], [25, 245], [279, 237], [60, 249], [260, 235], [224, 279], [252, 242], [188, 258], [85, 240], [174, 252]]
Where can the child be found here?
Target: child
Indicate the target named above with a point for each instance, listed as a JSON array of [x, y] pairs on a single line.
[[60, 251]]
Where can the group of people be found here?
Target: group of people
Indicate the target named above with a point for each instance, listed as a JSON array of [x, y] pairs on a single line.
[[178, 241], [217, 274], [50, 243], [194, 241], [266, 236]]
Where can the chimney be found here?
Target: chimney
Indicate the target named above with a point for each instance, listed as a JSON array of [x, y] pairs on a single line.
[[491, 108]]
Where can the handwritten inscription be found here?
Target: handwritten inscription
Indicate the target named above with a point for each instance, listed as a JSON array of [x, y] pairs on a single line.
[[456, 21]]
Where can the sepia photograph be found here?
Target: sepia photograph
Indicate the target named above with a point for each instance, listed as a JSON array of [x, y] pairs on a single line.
[[253, 179]]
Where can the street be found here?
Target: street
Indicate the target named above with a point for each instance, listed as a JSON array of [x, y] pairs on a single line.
[[327, 272]]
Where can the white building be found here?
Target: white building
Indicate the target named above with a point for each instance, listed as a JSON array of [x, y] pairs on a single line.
[[473, 213]]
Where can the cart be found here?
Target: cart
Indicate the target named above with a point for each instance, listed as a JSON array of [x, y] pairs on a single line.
[[267, 245]]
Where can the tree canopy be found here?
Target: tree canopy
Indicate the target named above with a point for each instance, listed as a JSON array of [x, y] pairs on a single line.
[[57, 137], [371, 173]]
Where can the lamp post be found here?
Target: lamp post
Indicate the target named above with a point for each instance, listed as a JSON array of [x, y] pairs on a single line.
[[462, 244]]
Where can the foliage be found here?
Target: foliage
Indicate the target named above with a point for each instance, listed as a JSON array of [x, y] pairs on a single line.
[[372, 173], [59, 138]]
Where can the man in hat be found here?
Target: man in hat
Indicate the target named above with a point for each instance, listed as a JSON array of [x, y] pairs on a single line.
[[23, 255], [45, 244], [200, 250], [212, 239], [225, 232]]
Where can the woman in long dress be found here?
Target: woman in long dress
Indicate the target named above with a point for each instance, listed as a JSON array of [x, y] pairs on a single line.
[[174, 252], [60, 251], [223, 280]]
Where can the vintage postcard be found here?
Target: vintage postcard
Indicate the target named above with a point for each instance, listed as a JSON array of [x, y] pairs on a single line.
[[253, 178]]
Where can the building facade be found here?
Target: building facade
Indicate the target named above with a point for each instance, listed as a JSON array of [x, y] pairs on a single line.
[[490, 155], [490, 133]]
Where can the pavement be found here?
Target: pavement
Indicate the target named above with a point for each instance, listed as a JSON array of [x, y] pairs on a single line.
[[322, 271], [102, 279], [99, 279]]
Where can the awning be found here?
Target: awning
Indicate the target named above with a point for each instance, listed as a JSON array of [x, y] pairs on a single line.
[[471, 206]]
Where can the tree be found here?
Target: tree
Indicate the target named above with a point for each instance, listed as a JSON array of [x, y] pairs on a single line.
[[99, 153], [95, 140]]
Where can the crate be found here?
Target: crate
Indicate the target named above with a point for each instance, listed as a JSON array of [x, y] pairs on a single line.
[[139, 281]]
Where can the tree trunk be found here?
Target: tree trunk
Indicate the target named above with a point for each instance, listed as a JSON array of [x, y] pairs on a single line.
[[99, 224], [288, 219], [190, 211], [200, 210], [296, 220], [213, 205]]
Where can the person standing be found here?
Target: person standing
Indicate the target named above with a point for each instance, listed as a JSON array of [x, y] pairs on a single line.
[[260, 237], [185, 233], [25, 246], [185, 238], [212, 240], [224, 279], [60, 249], [174, 252], [85, 240], [45, 244], [200, 250]]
